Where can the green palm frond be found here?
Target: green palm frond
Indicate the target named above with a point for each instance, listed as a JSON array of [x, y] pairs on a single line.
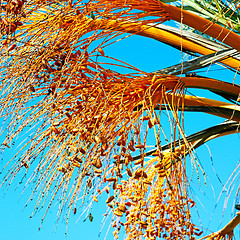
[[222, 12]]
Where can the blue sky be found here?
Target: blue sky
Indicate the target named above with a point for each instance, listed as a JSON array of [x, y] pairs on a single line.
[[148, 55]]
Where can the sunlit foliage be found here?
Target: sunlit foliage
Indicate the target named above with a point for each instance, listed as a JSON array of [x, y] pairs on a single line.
[[91, 116]]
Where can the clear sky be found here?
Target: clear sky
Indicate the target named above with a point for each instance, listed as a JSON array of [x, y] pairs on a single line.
[[148, 55]]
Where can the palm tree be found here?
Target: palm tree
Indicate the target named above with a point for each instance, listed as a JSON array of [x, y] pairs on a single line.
[[91, 116]]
